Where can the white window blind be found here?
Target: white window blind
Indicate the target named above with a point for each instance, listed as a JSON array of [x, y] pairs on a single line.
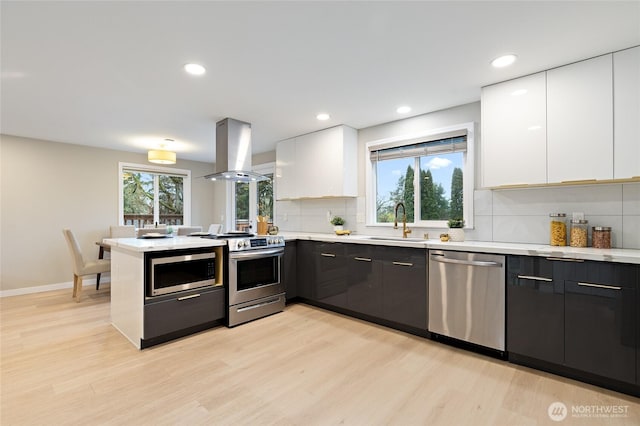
[[419, 149]]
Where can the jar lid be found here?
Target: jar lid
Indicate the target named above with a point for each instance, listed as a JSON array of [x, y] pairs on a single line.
[[602, 228], [558, 215], [580, 221]]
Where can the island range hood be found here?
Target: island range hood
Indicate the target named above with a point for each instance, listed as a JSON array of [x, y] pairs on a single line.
[[233, 152]]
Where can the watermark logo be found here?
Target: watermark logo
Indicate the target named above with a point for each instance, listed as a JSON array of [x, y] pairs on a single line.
[[557, 411]]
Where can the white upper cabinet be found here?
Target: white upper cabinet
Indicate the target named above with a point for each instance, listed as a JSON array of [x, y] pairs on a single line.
[[514, 125], [285, 169], [324, 164], [626, 98], [580, 121]]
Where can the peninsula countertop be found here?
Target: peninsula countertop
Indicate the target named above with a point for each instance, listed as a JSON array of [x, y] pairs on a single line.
[[157, 244]]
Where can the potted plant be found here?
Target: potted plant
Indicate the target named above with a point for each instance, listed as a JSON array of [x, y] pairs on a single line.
[[456, 233], [337, 223]]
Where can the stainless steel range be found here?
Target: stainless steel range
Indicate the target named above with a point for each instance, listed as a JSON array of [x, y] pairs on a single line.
[[254, 267]]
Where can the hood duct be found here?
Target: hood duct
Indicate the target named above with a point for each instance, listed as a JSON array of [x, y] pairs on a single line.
[[233, 152]]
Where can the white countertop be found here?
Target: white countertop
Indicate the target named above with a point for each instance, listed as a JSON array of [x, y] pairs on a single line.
[[157, 244], [588, 253]]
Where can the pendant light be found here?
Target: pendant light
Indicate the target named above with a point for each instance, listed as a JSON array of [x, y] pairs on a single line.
[[162, 156]]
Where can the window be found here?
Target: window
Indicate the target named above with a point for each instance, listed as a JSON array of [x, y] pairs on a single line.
[[253, 199], [432, 175], [153, 195]]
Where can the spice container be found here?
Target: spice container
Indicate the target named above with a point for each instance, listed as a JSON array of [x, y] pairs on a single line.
[[578, 234], [558, 229], [601, 236]]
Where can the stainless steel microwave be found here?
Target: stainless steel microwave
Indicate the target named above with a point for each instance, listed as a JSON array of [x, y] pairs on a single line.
[[179, 270]]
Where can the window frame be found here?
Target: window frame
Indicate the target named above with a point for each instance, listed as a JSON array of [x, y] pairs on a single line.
[[156, 170], [263, 169], [467, 129]]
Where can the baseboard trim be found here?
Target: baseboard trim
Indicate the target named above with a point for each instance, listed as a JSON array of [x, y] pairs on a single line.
[[89, 282]]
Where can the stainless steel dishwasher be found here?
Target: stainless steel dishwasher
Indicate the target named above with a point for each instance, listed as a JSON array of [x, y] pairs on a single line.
[[467, 297]]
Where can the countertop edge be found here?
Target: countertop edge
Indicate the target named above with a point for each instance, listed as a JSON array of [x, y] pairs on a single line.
[[588, 253], [141, 245]]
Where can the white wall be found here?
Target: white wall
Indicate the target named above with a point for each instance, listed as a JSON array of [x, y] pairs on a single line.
[[47, 186]]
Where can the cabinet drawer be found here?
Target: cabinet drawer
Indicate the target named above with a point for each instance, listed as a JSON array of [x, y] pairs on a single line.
[[183, 312]]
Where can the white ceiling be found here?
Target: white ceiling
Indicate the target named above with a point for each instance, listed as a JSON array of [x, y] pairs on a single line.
[[109, 74]]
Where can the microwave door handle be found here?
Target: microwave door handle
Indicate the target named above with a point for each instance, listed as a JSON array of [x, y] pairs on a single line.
[[256, 255]]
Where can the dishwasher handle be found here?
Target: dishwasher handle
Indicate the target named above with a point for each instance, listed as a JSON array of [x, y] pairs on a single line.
[[441, 258]]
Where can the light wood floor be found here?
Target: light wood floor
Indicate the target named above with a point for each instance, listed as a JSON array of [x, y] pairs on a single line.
[[63, 363]]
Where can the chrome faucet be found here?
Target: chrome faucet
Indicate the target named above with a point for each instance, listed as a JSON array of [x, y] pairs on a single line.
[[405, 231]]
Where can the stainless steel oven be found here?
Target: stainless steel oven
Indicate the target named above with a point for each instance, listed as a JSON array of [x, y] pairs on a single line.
[[255, 288], [178, 271]]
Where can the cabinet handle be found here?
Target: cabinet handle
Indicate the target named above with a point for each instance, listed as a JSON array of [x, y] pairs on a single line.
[[403, 263], [259, 305], [442, 259], [578, 181], [362, 259], [327, 254], [533, 277], [608, 287], [189, 297], [562, 259]]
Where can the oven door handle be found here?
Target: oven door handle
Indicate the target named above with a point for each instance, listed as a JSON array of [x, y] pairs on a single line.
[[256, 254]]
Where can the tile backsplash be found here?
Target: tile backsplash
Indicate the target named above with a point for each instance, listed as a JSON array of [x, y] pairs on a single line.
[[510, 215], [313, 215]]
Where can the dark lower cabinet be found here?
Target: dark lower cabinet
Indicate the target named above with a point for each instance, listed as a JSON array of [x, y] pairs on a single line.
[[185, 311], [600, 327], [330, 274], [579, 318], [305, 269], [404, 286], [535, 309], [288, 274], [364, 278], [383, 284]]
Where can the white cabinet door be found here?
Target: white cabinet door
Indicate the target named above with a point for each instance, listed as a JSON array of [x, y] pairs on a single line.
[[313, 156], [286, 187], [626, 106], [319, 164], [330, 163], [514, 132], [580, 121]]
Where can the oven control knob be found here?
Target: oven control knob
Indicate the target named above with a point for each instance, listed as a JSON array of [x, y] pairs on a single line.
[[240, 243]]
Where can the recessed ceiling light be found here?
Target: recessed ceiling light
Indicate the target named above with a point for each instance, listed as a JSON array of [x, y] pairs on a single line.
[[323, 116], [504, 60], [403, 109], [194, 69]]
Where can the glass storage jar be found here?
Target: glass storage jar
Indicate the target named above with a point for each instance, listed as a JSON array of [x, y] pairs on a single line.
[[578, 233], [601, 236], [558, 229]]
